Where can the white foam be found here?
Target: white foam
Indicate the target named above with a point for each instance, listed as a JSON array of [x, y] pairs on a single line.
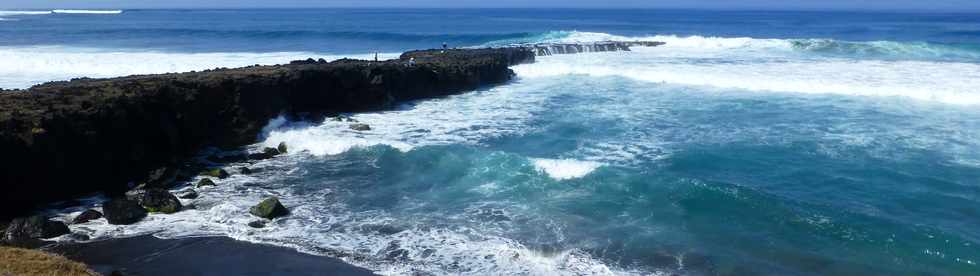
[[463, 119], [88, 11], [946, 82], [24, 12], [564, 169], [22, 67]]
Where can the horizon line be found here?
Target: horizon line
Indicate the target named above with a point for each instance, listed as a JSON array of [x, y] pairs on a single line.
[[729, 9]]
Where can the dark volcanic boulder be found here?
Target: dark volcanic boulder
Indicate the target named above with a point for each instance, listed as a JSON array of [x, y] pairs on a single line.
[[160, 200], [282, 148], [269, 208], [360, 127], [219, 173], [245, 170], [87, 216], [265, 154], [257, 224], [35, 227], [204, 183], [123, 211]]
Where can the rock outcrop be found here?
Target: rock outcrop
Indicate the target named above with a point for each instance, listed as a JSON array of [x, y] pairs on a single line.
[[32, 228], [64, 139], [269, 208], [123, 211], [87, 216], [160, 201]]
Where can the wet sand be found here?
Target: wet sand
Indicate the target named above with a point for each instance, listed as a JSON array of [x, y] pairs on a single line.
[[147, 255]]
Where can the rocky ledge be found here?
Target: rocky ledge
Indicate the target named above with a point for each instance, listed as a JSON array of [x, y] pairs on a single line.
[[63, 139]]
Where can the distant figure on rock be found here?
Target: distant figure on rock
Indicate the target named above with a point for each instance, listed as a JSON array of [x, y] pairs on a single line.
[[375, 56], [445, 47], [411, 62]]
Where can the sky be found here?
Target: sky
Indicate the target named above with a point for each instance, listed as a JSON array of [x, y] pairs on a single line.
[[935, 5]]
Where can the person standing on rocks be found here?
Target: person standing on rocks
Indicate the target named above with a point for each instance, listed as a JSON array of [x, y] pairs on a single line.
[[445, 46]]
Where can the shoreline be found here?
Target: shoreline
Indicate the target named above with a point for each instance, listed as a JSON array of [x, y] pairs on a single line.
[[115, 133], [147, 255]]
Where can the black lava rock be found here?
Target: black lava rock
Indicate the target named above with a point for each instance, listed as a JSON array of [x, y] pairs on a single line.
[[160, 200], [123, 211], [257, 224], [204, 182], [86, 216], [34, 227], [269, 208]]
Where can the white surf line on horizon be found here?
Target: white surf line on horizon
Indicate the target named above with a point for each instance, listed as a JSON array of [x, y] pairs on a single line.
[[23, 67], [944, 82], [87, 11]]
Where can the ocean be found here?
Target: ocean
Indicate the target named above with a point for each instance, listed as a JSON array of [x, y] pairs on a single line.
[[751, 143]]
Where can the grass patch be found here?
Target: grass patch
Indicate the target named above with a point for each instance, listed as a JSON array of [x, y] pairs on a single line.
[[17, 261]]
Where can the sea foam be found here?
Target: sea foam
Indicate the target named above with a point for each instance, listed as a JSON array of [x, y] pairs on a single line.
[[773, 71], [22, 67], [88, 11], [564, 169]]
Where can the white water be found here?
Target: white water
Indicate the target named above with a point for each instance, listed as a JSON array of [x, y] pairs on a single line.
[[22, 67], [564, 169], [24, 12], [88, 11], [767, 65]]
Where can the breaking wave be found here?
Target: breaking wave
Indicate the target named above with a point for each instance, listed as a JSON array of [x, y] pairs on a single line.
[[815, 46]]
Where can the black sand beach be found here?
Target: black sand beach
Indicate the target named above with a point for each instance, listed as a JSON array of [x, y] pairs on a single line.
[[147, 255]]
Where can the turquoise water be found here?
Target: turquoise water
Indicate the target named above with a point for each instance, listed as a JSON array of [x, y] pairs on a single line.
[[750, 144]]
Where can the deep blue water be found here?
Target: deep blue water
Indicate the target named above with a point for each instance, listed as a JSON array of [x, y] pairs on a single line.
[[367, 30], [772, 143]]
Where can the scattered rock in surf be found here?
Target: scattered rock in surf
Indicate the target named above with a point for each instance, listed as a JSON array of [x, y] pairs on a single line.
[[269, 208], [160, 201], [189, 194], [204, 182], [162, 178], [32, 228], [360, 127], [123, 211], [245, 170], [265, 154], [257, 224], [88, 215], [282, 148], [219, 173]]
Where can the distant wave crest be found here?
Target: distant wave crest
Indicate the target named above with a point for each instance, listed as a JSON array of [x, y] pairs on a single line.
[[827, 47], [17, 13], [88, 11]]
